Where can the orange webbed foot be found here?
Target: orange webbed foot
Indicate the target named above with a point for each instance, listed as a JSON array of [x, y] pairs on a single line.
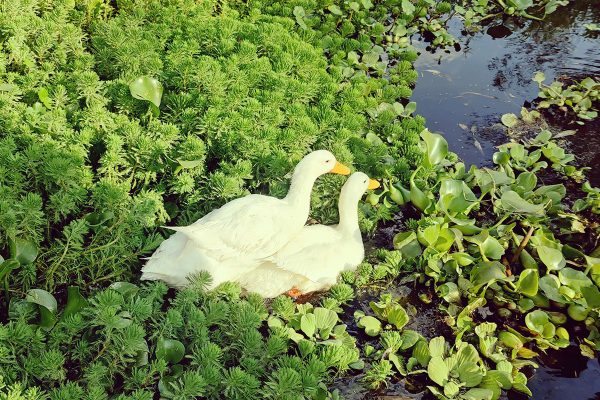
[[294, 292]]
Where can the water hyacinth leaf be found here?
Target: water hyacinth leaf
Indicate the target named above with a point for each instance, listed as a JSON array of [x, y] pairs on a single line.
[[75, 302], [527, 261], [408, 7], [511, 201], [573, 278], [536, 321], [550, 284], [436, 147], [417, 197], [429, 236], [528, 282], [486, 273], [489, 246], [371, 325], [552, 258], [408, 244], [24, 251], [456, 196], [591, 294], [509, 120], [438, 370], [148, 89], [526, 182], [510, 340], [308, 324], [449, 292], [48, 306], [170, 350]]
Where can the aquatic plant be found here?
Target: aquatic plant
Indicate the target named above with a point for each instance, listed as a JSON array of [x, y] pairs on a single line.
[[580, 97]]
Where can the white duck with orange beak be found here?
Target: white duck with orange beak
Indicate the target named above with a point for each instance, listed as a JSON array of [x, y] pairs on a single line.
[[314, 258], [231, 240]]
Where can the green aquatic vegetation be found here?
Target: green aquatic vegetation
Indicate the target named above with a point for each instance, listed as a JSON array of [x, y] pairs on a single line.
[[135, 118], [579, 98], [474, 12], [134, 341]]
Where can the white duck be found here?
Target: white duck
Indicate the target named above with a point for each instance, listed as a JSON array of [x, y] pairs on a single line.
[[237, 236], [314, 258]]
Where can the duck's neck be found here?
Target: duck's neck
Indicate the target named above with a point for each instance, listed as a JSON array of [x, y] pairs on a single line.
[[348, 210], [300, 190]]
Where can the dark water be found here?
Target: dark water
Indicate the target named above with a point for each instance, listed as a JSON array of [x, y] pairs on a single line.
[[491, 75], [471, 88]]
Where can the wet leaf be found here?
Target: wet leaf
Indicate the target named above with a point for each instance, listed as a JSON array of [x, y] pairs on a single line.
[[397, 316], [125, 288], [512, 202], [147, 88], [573, 278], [170, 350], [408, 244], [436, 147], [528, 282], [371, 325], [24, 251], [509, 120], [438, 370], [486, 273], [539, 77], [48, 306], [437, 346], [308, 324], [75, 302], [552, 258], [325, 319]]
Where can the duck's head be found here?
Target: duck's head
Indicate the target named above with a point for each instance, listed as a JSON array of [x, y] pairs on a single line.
[[356, 185], [321, 162]]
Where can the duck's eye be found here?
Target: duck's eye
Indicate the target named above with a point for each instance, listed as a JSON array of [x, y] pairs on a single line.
[[328, 161]]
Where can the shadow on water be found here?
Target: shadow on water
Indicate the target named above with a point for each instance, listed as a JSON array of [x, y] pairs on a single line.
[[463, 93]]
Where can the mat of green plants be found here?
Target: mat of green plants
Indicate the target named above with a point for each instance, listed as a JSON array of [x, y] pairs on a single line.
[[119, 117]]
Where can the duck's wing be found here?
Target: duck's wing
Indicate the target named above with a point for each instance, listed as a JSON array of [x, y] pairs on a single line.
[[314, 253], [254, 226]]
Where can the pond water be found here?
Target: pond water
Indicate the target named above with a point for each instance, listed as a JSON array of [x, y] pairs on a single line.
[[462, 94]]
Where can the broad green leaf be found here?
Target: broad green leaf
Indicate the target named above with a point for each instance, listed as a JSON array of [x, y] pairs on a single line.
[[510, 340], [147, 88], [552, 258], [429, 236], [591, 294], [509, 120], [537, 321], [478, 394], [421, 352], [438, 370], [408, 244], [451, 389], [398, 363], [489, 246], [308, 324], [170, 350], [573, 278], [527, 261], [486, 273], [397, 316], [436, 148], [539, 77], [409, 339], [48, 306], [371, 325], [75, 302], [408, 7], [550, 284], [417, 197], [469, 373], [528, 282], [325, 318], [24, 251], [437, 346], [512, 202]]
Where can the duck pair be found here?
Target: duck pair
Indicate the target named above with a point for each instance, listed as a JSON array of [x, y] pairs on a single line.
[[262, 243]]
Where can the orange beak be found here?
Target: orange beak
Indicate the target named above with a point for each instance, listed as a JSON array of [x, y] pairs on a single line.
[[373, 184], [341, 169]]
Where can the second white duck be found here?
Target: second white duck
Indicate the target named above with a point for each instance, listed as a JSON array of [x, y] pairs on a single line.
[[230, 240], [314, 258]]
